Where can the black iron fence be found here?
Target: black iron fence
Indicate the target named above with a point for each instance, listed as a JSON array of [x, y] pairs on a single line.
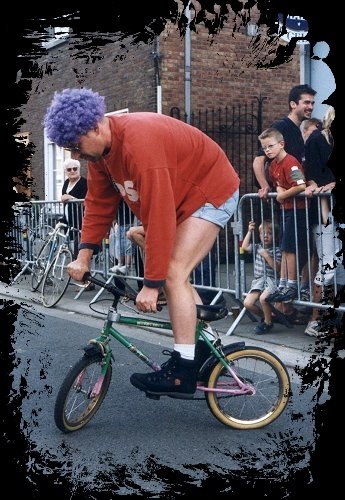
[[236, 129]]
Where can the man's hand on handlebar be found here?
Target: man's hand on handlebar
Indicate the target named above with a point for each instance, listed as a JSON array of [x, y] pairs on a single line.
[[146, 300], [77, 269], [81, 265], [115, 290]]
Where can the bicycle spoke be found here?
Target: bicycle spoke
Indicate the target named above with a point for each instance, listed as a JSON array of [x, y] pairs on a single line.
[[260, 396], [81, 393]]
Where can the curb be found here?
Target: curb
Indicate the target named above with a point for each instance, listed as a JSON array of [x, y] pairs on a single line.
[[292, 356]]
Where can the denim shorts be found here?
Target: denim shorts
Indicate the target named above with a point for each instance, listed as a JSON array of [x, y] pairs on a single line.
[[123, 246], [220, 215]]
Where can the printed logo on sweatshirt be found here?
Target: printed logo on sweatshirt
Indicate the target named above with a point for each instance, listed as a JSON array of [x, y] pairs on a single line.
[[127, 190]]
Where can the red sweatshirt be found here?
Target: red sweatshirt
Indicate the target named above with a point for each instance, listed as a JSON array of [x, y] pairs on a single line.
[[165, 170], [288, 173]]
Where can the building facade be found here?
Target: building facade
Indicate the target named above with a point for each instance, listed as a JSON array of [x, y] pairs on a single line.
[[227, 84]]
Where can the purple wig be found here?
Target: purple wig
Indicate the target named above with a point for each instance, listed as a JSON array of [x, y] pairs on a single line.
[[72, 113]]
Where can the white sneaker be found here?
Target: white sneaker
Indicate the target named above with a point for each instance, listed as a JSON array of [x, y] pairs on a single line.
[[313, 329], [118, 269]]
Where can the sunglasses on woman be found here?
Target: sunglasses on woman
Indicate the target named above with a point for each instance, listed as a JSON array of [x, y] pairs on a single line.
[[69, 169]]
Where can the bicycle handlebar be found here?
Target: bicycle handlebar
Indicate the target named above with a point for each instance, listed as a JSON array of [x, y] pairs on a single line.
[[113, 289], [108, 286]]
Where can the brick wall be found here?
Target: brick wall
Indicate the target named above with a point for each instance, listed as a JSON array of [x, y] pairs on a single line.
[[223, 73], [125, 77]]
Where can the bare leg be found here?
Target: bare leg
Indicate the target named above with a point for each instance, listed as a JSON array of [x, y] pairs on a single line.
[[317, 298], [266, 308], [136, 234], [194, 239], [291, 265], [178, 377], [283, 267], [250, 303]]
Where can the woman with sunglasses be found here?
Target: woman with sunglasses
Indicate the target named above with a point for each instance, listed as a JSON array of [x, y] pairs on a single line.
[[74, 188]]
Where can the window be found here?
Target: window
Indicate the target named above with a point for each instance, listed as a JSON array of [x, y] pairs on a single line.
[[53, 172]]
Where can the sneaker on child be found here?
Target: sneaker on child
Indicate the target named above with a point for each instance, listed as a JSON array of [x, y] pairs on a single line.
[[314, 330], [263, 327], [288, 295], [177, 378], [275, 296], [305, 294]]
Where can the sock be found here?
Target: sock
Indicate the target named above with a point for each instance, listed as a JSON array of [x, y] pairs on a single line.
[[282, 283], [187, 351], [292, 284]]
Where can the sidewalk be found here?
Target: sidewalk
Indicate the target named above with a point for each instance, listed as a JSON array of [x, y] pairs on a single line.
[[290, 344]]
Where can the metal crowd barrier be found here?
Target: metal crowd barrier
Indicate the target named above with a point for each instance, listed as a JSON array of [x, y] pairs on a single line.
[[32, 222], [251, 207], [216, 273], [225, 270]]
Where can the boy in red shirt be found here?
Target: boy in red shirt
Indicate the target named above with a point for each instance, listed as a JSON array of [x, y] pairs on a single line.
[[287, 176], [180, 185]]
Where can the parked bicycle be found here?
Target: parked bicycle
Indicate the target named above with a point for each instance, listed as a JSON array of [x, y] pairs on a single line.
[[50, 267], [245, 387], [31, 229]]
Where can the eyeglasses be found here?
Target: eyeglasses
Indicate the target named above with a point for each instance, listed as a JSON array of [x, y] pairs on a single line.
[[71, 168], [269, 147], [74, 148]]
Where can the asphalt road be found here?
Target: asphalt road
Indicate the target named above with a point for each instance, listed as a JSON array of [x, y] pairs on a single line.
[[136, 446]]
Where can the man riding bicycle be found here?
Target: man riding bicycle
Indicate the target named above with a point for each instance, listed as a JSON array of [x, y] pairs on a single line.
[[180, 185]]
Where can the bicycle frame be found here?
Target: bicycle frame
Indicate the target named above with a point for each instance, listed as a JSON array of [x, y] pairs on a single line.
[[108, 330], [55, 244], [244, 387]]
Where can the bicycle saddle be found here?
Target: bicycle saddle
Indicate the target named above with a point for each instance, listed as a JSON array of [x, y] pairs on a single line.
[[211, 312]]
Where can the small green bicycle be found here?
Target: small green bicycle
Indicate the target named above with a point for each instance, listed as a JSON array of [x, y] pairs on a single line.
[[245, 387]]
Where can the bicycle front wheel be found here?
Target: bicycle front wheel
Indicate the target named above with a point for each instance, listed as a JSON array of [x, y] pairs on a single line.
[[56, 279], [268, 379], [81, 393]]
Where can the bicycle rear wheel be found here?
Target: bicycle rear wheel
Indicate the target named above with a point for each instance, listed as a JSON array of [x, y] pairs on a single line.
[[81, 393], [270, 383], [39, 266], [56, 279]]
